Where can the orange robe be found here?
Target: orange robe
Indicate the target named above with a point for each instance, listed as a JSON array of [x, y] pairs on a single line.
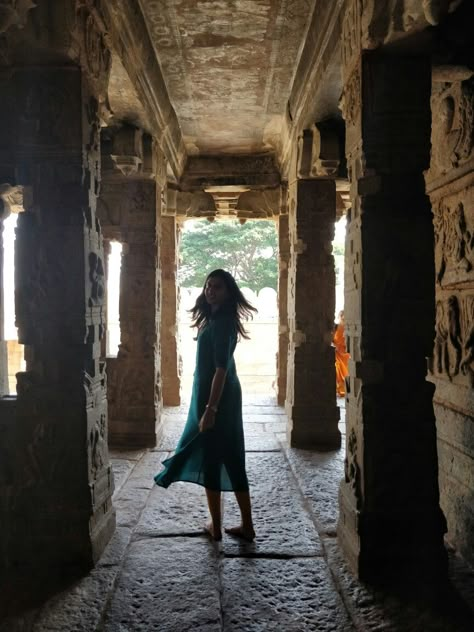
[[342, 360]]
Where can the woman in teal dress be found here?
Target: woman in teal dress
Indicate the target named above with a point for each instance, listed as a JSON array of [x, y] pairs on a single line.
[[211, 450]]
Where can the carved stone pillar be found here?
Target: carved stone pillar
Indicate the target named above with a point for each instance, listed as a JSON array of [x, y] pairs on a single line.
[[311, 393], [169, 311], [57, 514], [450, 183], [128, 214], [283, 259], [391, 526]]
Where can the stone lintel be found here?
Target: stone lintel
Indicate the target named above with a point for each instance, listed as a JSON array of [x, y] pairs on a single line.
[[255, 171], [233, 201]]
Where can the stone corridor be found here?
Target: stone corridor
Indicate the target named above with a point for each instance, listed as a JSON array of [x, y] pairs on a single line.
[[160, 572]]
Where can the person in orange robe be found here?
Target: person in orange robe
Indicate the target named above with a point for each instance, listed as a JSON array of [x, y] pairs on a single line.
[[342, 357]]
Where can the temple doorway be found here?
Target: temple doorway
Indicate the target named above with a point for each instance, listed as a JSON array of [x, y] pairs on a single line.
[[249, 251]]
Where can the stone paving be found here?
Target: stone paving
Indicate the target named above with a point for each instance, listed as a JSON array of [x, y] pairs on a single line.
[[160, 571]]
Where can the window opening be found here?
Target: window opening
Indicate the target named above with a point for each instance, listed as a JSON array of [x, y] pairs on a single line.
[[338, 248], [15, 350], [114, 264]]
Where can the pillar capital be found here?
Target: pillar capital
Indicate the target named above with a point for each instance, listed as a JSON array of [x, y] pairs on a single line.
[[319, 151]]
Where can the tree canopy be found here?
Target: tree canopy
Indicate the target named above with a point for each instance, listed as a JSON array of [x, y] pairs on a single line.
[[248, 251]]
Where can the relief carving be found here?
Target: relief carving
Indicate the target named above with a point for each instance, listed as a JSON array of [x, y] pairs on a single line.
[[97, 280], [454, 339], [454, 245], [14, 13], [92, 148], [467, 360], [98, 445], [92, 50], [351, 45], [352, 471], [351, 97], [453, 126]]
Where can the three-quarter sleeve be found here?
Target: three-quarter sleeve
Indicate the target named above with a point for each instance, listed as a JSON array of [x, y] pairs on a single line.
[[223, 342]]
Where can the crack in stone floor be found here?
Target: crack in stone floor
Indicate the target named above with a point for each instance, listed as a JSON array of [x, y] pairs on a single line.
[[161, 572]]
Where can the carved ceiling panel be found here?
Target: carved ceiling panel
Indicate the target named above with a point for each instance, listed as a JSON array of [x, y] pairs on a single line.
[[228, 66]]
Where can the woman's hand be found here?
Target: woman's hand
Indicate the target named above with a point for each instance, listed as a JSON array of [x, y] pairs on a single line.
[[208, 420]]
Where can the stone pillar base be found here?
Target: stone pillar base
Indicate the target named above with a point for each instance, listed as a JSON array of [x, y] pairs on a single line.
[[314, 428], [377, 549]]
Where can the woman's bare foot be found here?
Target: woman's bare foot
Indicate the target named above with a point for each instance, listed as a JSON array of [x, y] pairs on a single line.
[[246, 533], [214, 534]]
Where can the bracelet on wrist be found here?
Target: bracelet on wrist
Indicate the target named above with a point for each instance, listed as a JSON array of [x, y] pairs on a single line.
[[213, 408]]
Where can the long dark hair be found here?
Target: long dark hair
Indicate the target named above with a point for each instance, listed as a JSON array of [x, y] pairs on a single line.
[[236, 305]]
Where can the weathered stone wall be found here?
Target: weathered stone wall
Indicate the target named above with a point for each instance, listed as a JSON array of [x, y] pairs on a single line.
[[450, 183], [128, 214]]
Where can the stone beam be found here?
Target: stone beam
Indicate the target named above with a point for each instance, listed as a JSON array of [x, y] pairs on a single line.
[[254, 171], [127, 27]]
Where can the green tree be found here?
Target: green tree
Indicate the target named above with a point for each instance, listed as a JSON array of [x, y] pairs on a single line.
[[248, 251]]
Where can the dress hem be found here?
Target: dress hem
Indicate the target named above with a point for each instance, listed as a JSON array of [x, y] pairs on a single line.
[[187, 480]]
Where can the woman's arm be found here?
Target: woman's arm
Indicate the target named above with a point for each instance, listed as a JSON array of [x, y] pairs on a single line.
[[208, 419]]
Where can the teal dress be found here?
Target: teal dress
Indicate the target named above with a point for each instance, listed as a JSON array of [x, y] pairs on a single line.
[[214, 458]]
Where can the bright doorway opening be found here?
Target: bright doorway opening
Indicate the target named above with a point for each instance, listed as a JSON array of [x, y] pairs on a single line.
[[249, 251]]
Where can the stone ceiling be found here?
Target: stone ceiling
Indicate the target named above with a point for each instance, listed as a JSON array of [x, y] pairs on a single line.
[[229, 67]]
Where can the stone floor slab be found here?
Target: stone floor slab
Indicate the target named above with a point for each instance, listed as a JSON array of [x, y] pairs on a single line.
[[256, 438], [264, 419], [252, 410], [319, 475], [167, 584], [262, 443], [259, 400], [121, 469], [294, 595], [80, 607], [282, 522], [180, 509]]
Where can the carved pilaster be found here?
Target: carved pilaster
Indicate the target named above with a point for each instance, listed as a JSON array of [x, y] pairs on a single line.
[[450, 182], [389, 316]]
